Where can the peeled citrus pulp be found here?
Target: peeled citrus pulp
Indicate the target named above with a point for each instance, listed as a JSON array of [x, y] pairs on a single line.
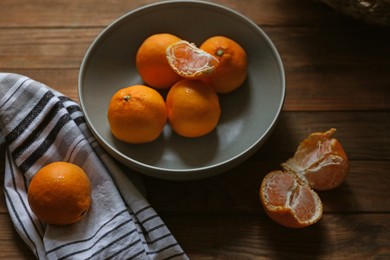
[[289, 201], [190, 62], [320, 160], [319, 163]]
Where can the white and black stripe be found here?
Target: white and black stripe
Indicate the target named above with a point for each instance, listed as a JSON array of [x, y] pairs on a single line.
[[40, 126]]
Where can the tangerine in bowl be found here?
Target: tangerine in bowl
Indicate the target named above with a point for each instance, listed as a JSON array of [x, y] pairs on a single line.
[[248, 114]]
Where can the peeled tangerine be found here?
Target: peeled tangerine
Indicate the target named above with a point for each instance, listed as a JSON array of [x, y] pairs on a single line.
[[319, 163], [189, 61], [289, 201], [320, 160]]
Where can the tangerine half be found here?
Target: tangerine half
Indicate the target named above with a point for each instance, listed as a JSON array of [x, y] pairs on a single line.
[[289, 201], [320, 160]]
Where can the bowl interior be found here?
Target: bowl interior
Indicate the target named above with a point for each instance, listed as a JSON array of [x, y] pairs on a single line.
[[248, 114]]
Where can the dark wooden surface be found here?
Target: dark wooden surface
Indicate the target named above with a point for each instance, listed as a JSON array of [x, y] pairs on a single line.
[[338, 75]]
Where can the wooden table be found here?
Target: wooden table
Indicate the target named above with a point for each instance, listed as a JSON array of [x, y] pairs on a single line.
[[338, 75]]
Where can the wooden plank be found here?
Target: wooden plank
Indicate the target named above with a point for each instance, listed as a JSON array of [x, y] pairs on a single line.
[[336, 236], [363, 134], [44, 48], [309, 48], [11, 245], [307, 89], [244, 237], [335, 89], [236, 191], [337, 48], [63, 80], [73, 13]]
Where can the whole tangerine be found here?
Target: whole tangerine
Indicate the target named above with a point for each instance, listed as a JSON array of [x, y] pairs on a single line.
[[193, 108], [231, 71], [151, 61], [137, 114], [60, 193]]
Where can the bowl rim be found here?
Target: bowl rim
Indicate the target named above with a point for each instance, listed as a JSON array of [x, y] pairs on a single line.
[[197, 172]]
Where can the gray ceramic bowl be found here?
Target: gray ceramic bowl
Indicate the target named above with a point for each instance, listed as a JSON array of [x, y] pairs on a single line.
[[249, 114]]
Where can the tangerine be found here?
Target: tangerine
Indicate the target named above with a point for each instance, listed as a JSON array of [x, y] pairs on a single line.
[[189, 61], [231, 71], [193, 108], [60, 193], [289, 201], [320, 160], [151, 61], [137, 114], [319, 163]]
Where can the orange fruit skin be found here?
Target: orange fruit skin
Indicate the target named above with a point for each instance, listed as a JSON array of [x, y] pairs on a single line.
[[152, 64], [137, 114], [320, 160], [231, 71], [284, 201], [60, 193], [193, 108], [319, 163]]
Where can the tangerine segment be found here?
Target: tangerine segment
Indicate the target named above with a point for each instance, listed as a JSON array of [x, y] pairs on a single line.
[[193, 108], [137, 114], [151, 61], [60, 193], [320, 160], [189, 61], [288, 201]]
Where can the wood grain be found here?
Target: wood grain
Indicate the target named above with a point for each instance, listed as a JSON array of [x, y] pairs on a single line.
[[236, 191], [44, 48], [11, 245], [256, 236], [337, 75], [307, 89], [247, 237], [73, 13], [307, 47]]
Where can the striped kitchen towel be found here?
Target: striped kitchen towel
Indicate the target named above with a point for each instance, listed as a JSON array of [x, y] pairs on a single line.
[[39, 126]]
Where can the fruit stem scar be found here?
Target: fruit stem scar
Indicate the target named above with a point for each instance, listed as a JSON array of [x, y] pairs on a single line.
[[127, 97], [219, 52]]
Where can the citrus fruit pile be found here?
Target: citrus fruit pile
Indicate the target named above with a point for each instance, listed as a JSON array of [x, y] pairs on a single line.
[[288, 196], [193, 77], [60, 193]]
